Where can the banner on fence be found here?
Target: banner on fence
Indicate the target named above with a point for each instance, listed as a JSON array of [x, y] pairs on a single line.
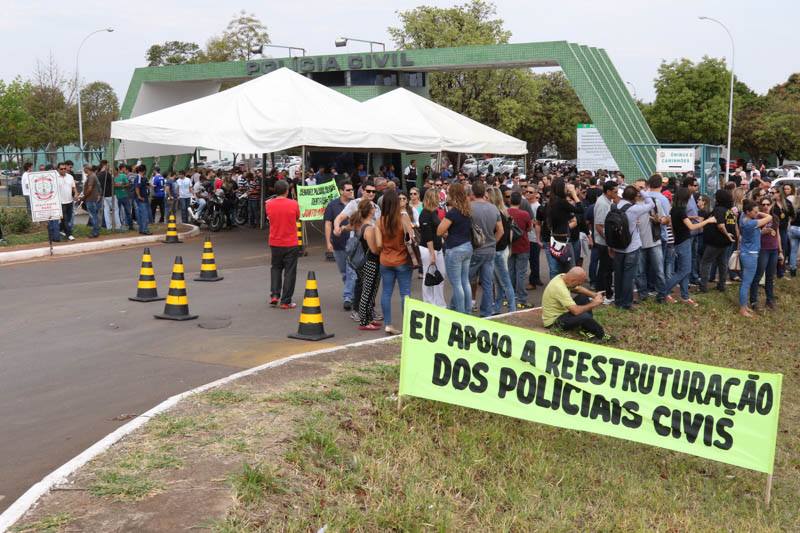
[[314, 198], [45, 202], [718, 413]]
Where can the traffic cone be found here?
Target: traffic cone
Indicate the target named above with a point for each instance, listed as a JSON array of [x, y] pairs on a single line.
[[146, 290], [311, 327], [300, 244], [172, 231], [208, 268], [177, 306]]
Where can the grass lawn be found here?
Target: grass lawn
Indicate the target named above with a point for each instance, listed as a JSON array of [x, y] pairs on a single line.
[[354, 464], [80, 232], [331, 449]]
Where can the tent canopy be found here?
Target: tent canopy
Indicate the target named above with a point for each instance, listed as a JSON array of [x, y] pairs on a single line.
[[457, 133], [274, 112]]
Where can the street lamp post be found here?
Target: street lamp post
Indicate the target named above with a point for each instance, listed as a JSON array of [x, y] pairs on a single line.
[[730, 104], [78, 88], [260, 48], [342, 41]]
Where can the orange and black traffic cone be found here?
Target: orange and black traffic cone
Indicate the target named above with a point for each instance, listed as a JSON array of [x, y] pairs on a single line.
[[177, 305], [172, 231], [146, 290], [208, 267], [311, 327]]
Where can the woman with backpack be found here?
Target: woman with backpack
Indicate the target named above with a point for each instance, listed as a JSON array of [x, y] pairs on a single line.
[[457, 225], [430, 248], [363, 226], [394, 257], [504, 289]]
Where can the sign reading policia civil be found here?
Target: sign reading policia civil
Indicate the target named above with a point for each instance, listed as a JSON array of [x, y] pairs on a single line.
[[313, 199], [718, 413]]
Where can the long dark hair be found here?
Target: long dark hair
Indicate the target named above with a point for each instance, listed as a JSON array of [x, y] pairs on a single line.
[[390, 214], [681, 198], [558, 189]]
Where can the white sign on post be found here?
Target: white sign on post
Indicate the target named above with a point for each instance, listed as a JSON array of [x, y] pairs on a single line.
[[45, 202], [674, 159], [593, 153]]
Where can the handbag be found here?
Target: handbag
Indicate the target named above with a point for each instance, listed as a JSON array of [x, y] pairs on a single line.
[[433, 277], [412, 246], [477, 237], [516, 231], [734, 262], [558, 249]]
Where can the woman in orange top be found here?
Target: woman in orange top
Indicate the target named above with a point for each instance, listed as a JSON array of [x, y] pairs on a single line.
[[394, 258]]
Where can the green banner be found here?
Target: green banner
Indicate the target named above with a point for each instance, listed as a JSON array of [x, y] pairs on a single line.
[[314, 198], [718, 413]]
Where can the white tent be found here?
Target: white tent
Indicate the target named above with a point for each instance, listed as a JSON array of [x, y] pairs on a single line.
[[456, 132], [271, 113]]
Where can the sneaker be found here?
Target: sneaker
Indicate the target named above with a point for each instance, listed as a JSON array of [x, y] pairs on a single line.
[[523, 306], [273, 301], [71, 238], [63, 234], [608, 301], [370, 327], [347, 305], [291, 305], [354, 316]]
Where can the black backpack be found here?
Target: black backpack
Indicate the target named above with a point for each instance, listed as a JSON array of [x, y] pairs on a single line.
[[615, 229]]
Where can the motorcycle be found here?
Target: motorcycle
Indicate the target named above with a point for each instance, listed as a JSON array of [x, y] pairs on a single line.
[[240, 214], [212, 215]]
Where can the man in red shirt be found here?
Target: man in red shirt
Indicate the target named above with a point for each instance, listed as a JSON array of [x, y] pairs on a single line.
[[520, 251], [283, 215]]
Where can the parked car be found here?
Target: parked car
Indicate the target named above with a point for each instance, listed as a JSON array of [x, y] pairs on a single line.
[[490, 166], [509, 165], [470, 167], [785, 171], [780, 182]]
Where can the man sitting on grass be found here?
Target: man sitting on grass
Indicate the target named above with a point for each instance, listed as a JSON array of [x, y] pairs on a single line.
[[560, 309]]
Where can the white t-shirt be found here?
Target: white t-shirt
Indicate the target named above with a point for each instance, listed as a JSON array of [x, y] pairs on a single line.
[[196, 177], [352, 206], [26, 191], [184, 187], [65, 185], [198, 189]]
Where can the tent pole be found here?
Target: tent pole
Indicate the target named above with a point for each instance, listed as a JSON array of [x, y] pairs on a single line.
[[303, 252], [263, 186], [458, 163]]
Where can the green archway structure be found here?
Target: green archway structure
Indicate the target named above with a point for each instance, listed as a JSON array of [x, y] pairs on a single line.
[[589, 70]]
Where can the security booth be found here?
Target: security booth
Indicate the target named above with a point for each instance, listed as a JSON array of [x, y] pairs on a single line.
[[674, 160]]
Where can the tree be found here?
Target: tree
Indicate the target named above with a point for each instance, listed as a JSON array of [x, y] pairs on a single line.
[[539, 109], [243, 33], [172, 53], [692, 100], [51, 106], [15, 120], [99, 107]]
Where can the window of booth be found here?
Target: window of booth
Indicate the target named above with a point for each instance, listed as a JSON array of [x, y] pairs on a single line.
[[373, 78], [330, 79]]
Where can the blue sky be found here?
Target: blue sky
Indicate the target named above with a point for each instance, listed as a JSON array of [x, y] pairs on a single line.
[[638, 35]]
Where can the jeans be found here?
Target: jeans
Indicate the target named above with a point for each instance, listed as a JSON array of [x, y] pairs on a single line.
[[201, 205], [669, 258], [605, 270], [283, 272], [533, 262], [694, 276], [518, 270], [481, 267], [142, 215], [52, 230], [402, 274], [253, 213], [794, 244], [456, 263], [433, 295], [94, 208], [626, 266], [716, 257], [67, 212], [784, 235], [767, 266], [651, 272], [184, 203], [125, 218], [749, 266], [348, 275], [109, 205], [683, 252], [584, 321], [503, 282]]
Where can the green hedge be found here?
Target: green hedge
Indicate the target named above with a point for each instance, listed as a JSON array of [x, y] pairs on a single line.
[[15, 220]]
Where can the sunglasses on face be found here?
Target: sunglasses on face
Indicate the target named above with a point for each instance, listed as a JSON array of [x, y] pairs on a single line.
[[765, 204], [414, 194], [369, 191]]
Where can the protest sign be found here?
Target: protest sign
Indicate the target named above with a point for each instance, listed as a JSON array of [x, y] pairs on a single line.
[[314, 198], [45, 203], [718, 413]]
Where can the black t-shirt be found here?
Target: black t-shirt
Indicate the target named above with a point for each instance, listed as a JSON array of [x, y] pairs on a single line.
[[561, 212], [106, 182], [332, 210], [502, 244], [428, 223], [783, 216], [679, 229], [460, 228], [711, 234], [541, 218]]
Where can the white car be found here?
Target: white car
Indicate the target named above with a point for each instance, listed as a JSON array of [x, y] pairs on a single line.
[[470, 167], [785, 171], [510, 164], [490, 166]]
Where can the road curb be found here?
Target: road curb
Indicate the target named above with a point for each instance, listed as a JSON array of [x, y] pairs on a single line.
[[83, 247], [31, 497]]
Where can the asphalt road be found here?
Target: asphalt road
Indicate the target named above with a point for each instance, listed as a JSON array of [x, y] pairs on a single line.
[[77, 358]]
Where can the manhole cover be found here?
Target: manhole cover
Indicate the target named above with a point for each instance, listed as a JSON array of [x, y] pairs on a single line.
[[217, 322]]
